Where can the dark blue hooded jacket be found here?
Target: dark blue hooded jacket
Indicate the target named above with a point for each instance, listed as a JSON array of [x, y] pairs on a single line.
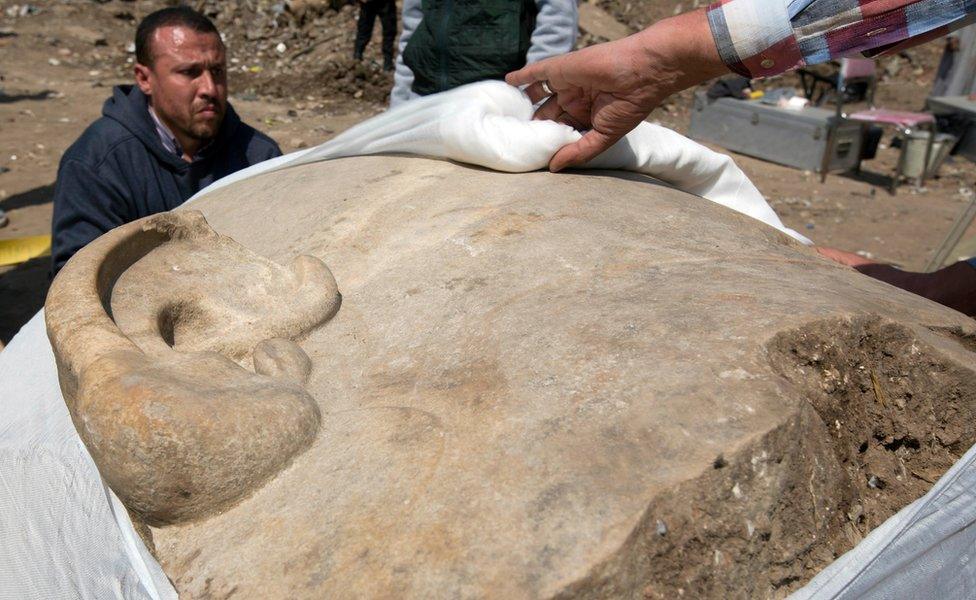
[[119, 171]]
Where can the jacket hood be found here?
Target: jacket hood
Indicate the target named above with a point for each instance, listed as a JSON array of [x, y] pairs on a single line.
[[130, 108]]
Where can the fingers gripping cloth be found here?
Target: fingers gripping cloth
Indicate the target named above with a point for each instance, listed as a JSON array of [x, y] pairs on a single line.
[[490, 124]]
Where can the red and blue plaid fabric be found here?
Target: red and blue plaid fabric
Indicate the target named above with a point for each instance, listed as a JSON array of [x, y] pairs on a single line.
[[759, 38]]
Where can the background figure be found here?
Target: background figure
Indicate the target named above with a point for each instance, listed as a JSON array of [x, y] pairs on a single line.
[[471, 43], [368, 11], [957, 70]]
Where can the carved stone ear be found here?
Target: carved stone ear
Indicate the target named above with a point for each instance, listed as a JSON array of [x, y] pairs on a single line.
[[154, 327]]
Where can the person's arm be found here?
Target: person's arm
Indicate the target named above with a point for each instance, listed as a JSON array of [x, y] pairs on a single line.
[[402, 75], [759, 38], [86, 205], [610, 88], [260, 147], [556, 26], [953, 286], [949, 27], [274, 151]]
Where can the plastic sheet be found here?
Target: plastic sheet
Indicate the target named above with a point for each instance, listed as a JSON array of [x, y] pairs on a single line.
[[63, 533], [925, 551]]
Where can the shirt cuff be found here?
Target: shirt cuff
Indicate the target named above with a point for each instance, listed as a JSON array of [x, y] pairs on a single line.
[[754, 37]]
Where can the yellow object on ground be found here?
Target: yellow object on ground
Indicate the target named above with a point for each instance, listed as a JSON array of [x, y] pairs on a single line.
[[18, 250]]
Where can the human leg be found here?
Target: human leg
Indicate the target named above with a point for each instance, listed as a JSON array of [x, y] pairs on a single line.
[[364, 28]]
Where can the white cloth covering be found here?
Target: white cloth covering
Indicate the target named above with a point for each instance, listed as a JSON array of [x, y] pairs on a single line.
[[64, 534], [490, 124]]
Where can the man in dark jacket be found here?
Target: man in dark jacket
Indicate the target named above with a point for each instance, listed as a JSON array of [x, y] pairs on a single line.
[[158, 142]]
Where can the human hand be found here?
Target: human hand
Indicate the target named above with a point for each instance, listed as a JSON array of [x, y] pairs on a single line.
[[954, 286], [843, 257], [610, 88]]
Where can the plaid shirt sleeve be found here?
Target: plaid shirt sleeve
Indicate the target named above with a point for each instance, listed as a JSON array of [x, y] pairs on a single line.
[[760, 38]]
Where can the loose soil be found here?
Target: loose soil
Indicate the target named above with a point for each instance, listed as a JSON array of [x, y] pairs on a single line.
[[881, 416]]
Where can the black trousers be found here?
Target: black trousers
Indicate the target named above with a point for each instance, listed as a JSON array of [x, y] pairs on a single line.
[[368, 11]]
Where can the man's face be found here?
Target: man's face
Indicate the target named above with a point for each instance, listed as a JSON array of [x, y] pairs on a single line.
[[187, 83]]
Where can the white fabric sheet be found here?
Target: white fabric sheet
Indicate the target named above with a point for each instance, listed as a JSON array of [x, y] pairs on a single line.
[[490, 124], [64, 534]]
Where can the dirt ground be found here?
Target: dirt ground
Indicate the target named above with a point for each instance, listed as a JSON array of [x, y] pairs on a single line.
[[292, 77]]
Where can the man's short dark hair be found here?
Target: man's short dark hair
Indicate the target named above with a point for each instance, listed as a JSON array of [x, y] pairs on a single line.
[[177, 16]]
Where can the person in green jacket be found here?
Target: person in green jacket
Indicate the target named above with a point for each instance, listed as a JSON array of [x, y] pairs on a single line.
[[449, 43]]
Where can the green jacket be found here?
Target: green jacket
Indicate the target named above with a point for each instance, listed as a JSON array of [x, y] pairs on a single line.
[[463, 41]]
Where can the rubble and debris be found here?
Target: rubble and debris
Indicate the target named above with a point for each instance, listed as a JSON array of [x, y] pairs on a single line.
[[597, 23], [86, 35], [296, 49], [21, 10], [288, 50]]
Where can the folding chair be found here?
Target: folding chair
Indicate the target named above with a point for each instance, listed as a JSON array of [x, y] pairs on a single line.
[[817, 86], [859, 71]]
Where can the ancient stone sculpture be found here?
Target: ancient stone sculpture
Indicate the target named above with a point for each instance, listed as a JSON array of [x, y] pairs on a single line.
[[578, 385], [179, 380]]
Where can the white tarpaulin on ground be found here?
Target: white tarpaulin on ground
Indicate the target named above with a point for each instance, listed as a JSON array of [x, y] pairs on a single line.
[[64, 534], [924, 551]]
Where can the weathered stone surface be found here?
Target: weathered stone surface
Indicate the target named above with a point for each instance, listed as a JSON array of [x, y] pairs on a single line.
[[574, 385]]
